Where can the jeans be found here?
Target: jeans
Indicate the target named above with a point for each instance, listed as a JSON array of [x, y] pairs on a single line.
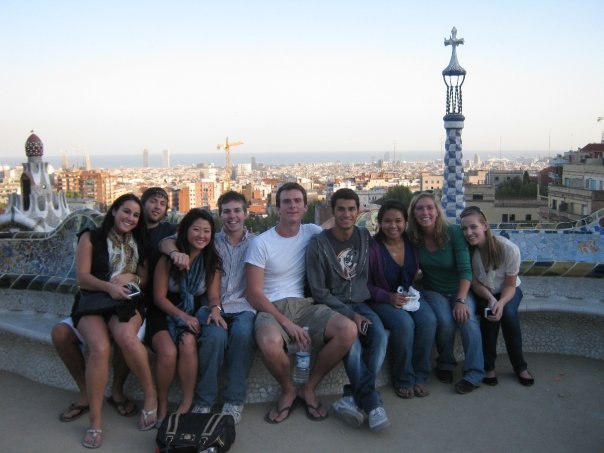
[[442, 305], [235, 345], [411, 339], [364, 360], [510, 326]]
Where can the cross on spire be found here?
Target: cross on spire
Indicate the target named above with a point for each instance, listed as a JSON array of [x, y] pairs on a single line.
[[453, 41]]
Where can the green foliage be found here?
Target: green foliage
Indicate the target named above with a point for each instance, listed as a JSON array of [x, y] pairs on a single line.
[[309, 217], [398, 193], [259, 224], [516, 188]]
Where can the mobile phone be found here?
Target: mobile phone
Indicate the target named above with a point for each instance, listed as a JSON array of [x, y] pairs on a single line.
[[488, 312], [134, 294], [364, 327]]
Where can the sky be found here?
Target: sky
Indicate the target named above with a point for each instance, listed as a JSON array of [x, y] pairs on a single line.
[[117, 77]]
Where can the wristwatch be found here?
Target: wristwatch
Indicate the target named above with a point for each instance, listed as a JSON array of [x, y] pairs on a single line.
[[459, 300], [216, 306]]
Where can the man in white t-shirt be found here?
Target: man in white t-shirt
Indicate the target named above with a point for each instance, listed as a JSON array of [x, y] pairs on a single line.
[[275, 287]]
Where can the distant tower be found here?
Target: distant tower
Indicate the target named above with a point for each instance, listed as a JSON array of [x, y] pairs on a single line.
[[453, 200], [145, 158], [166, 155], [64, 161], [476, 160], [38, 208], [253, 163], [87, 165]]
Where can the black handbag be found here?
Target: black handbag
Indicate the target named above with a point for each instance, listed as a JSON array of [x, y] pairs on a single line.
[[196, 433], [100, 303]]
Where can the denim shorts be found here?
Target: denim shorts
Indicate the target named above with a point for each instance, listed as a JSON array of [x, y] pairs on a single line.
[[303, 312]]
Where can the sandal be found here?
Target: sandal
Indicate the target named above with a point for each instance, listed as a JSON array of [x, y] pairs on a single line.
[[421, 390], [148, 419], [316, 416], [125, 408], [405, 392], [93, 438], [77, 409]]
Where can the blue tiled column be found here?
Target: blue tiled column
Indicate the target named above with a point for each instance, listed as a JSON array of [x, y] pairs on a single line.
[[453, 201]]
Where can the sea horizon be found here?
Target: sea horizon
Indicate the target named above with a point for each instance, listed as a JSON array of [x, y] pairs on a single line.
[[268, 158]]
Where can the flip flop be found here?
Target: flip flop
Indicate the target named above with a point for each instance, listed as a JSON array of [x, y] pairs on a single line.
[[93, 438], [148, 419], [79, 411], [288, 409], [405, 392], [122, 406], [316, 409], [421, 390]]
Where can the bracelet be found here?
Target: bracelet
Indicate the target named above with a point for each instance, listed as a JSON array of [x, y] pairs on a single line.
[[216, 306], [460, 301], [173, 251]]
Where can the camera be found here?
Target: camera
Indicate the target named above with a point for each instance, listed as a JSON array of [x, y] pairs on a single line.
[[488, 312]]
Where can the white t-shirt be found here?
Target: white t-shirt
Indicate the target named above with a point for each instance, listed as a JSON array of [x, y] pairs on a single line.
[[493, 279], [283, 261]]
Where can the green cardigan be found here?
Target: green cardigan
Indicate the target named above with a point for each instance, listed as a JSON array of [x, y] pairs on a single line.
[[444, 268]]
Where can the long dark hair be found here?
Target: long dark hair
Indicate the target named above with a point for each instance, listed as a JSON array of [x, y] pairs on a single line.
[[387, 206], [211, 259], [140, 230]]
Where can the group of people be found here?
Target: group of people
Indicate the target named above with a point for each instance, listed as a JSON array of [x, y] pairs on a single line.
[[209, 299]]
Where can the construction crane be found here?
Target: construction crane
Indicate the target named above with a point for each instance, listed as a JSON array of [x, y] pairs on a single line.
[[227, 170]]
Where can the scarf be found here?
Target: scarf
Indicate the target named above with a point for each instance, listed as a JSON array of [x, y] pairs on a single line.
[[123, 253], [188, 284]]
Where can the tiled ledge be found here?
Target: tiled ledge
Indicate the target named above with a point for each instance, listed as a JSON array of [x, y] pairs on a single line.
[[47, 283]]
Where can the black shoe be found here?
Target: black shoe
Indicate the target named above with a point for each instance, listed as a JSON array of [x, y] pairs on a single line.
[[445, 376], [492, 381], [463, 387], [527, 382]]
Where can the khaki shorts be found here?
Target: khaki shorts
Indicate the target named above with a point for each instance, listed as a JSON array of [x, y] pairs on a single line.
[[303, 312]]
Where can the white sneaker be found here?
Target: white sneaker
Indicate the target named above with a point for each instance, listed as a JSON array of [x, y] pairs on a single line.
[[378, 419], [347, 410], [234, 410], [198, 409]]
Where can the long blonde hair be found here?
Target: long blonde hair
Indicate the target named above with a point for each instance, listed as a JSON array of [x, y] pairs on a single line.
[[493, 248], [441, 227]]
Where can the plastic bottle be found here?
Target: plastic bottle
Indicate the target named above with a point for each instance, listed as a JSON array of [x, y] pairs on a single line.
[[302, 368]]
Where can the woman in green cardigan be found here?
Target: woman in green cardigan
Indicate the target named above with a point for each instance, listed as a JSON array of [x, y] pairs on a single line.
[[445, 262]]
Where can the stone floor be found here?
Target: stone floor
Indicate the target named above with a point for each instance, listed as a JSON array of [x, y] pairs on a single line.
[[562, 412]]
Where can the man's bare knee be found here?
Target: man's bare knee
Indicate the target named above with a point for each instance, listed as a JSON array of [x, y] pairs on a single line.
[[342, 328], [269, 341]]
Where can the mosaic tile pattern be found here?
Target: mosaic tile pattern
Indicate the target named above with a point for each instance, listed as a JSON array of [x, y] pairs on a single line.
[[48, 254], [453, 199]]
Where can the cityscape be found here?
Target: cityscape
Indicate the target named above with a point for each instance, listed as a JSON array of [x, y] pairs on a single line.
[[578, 172]]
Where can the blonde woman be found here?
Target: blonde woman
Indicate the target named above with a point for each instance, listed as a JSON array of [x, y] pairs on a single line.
[[495, 264], [445, 262]]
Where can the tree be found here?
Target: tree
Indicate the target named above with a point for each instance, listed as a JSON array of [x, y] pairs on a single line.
[[398, 193], [309, 217], [516, 188]]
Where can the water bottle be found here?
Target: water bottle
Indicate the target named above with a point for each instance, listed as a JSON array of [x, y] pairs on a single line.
[[302, 368]]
